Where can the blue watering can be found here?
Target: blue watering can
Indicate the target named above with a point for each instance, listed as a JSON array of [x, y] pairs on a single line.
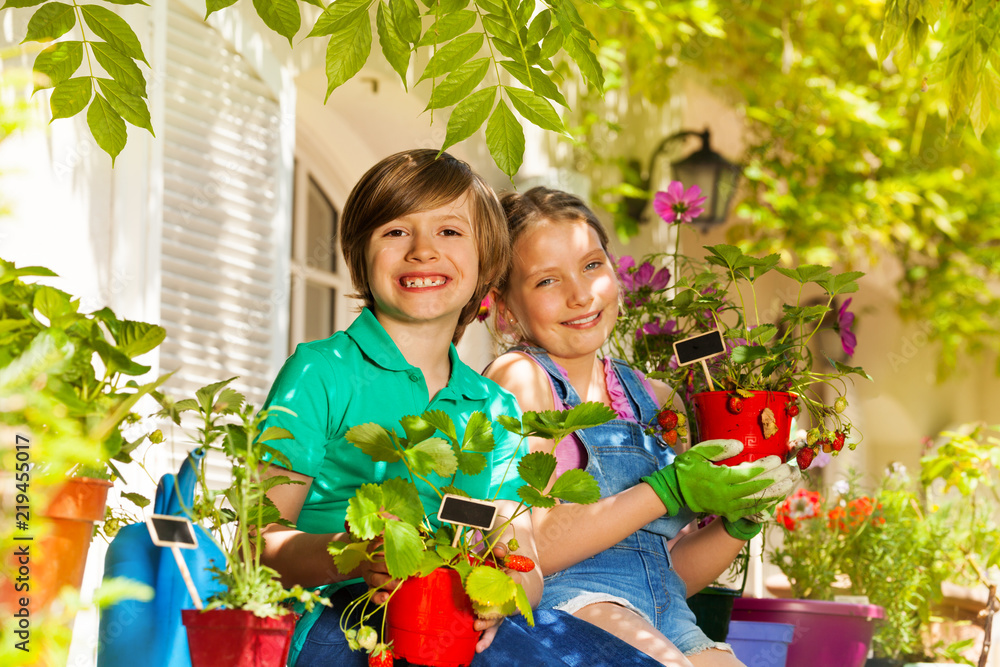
[[150, 633]]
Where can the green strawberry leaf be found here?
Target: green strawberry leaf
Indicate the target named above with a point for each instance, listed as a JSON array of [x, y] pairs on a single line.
[[848, 370], [576, 486], [432, 455], [442, 422], [512, 424], [364, 512], [275, 433], [524, 605], [470, 463], [586, 415], [430, 561], [536, 469], [416, 428], [454, 490], [347, 556], [533, 498], [490, 586], [403, 549], [401, 499], [745, 354], [478, 436], [373, 440]]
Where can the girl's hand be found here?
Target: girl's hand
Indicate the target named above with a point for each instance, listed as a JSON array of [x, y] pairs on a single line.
[[376, 575]]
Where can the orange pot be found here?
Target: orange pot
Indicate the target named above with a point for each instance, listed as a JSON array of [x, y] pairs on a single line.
[[57, 557]]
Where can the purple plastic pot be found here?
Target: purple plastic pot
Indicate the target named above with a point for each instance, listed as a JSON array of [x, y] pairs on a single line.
[[827, 634], [760, 644]]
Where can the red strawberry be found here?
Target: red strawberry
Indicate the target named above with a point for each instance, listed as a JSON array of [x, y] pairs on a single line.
[[670, 437], [805, 457], [518, 563], [667, 419], [792, 409], [825, 444], [838, 441], [382, 658], [735, 405]]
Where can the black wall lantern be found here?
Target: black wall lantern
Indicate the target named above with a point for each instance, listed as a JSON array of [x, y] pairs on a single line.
[[714, 174]]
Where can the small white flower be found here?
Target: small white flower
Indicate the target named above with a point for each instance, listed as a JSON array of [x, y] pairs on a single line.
[[841, 487]]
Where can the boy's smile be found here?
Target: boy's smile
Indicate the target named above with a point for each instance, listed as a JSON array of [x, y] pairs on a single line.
[[424, 266]]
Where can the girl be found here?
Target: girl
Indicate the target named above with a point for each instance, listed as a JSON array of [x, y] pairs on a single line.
[[424, 238], [608, 563]]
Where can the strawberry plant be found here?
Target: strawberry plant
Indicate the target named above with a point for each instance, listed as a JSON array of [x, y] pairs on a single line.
[[388, 520]]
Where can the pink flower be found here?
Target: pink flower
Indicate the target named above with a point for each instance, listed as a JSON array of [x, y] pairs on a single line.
[[845, 320], [484, 309], [654, 328], [640, 282], [678, 205]]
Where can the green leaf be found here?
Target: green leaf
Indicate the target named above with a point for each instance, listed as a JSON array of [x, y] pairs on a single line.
[[429, 562], [275, 433], [478, 436], [459, 84], [505, 139], [136, 499], [130, 107], [442, 422], [586, 415], [403, 549], [535, 109], [49, 352], [763, 265], [470, 463], [58, 62], [400, 498], [135, 338], [501, 28], [842, 283], [576, 486], [745, 354], [454, 490], [417, 428], [552, 43], [524, 605], [112, 29], [848, 370], [453, 54], [348, 556], [448, 27], [406, 16], [338, 14], [536, 469], [539, 27], [512, 424], [373, 440], [212, 6], [805, 273], [394, 48], [490, 586], [107, 127], [491, 6], [533, 498], [364, 512], [51, 302], [432, 455], [70, 97], [577, 45], [763, 333], [281, 16], [121, 68], [49, 22], [469, 115], [15, 4], [536, 80], [349, 47]]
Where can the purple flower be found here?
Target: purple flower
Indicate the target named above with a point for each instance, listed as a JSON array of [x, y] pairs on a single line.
[[845, 320], [678, 205], [484, 308], [654, 328], [645, 279]]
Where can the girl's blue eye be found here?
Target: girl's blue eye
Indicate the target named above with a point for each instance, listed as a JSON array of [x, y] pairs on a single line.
[[543, 283], [594, 265]]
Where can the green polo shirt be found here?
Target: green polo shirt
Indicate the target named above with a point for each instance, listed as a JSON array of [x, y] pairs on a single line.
[[359, 376]]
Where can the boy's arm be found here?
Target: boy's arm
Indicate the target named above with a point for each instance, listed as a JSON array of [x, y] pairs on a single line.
[[302, 558], [702, 555]]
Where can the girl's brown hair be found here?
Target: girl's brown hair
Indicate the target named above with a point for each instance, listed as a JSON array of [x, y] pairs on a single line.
[[420, 180]]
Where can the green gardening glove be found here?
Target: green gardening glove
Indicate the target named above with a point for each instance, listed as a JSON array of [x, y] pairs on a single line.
[[750, 525], [732, 492]]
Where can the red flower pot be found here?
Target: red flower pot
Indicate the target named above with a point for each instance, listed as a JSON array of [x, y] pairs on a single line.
[[716, 418], [237, 638], [430, 621]]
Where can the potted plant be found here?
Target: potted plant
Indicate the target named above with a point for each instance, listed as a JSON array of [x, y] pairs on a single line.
[[764, 368], [449, 574], [883, 546], [247, 622], [78, 368]]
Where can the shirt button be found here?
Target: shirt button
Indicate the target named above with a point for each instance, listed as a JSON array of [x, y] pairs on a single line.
[[413, 377]]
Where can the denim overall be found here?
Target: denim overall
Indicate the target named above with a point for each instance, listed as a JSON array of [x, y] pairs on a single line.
[[636, 572]]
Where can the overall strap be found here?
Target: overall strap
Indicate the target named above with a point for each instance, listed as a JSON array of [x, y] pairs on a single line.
[[564, 390], [644, 405]]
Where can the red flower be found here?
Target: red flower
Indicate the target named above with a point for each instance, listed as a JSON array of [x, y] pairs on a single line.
[[799, 506]]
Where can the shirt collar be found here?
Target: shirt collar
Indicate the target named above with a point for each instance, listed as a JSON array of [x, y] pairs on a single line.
[[376, 344]]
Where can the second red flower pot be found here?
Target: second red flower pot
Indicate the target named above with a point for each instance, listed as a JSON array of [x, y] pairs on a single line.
[[430, 621], [723, 414]]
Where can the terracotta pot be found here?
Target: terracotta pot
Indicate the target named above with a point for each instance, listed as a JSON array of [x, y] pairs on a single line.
[[237, 638], [430, 621], [715, 419], [58, 556]]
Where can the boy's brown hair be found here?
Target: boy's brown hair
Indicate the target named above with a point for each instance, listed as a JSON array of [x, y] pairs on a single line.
[[420, 180]]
